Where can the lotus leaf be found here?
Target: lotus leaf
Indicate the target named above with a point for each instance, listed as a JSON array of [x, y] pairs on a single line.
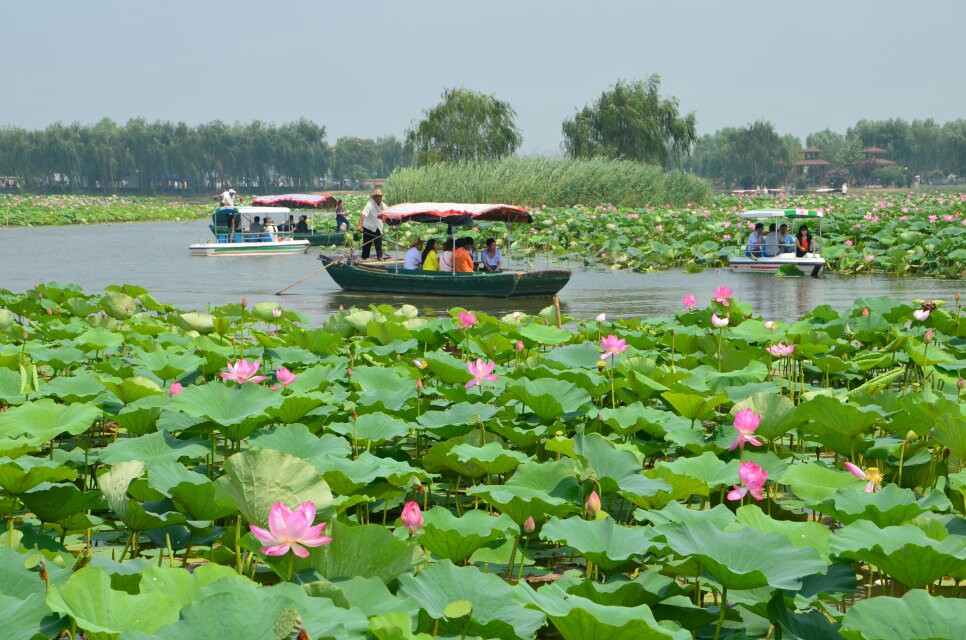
[[295, 407], [73, 389], [544, 334], [801, 534], [914, 616], [890, 506], [58, 502], [372, 597], [675, 513], [383, 388], [692, 406], [776, 411], [572, 356], [42, 420], [814, 482], [547, 397], [457, 419], [457, 538], [296, 440], [493, 458], [114, 485], [169, 364], [152, 449], [375, 428], [132, 389], [605, 543], [23, 474], [497, 607], [615, 469], [351, 476], [368, 551], [647, 587], [224, 405]]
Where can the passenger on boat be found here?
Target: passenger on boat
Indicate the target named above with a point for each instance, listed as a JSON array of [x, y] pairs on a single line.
[[771, 242], [370, 223], [491, 257], [256, 228], [446, 258], [271, 231], [756, 241], [430, 259], [228, 198], [414, 256], [803, 242], [463, 256], [288, 226], [302, 226], [786, 241], [340, 218]]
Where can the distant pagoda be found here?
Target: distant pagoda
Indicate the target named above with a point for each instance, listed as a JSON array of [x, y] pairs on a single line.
[[811, 167], [874, 160]]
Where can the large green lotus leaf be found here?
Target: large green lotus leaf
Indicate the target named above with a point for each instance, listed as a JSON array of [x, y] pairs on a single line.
[[497, 610], [369, 551], [119, 305], [545, 334], [493, 458], [647, 587], [114, 485], [226, 405], [23, 474], [295, 407], [637, 385], [457, 538], [814, 482], [348, 476], [10, 391], [73, 389], [375, 428], [132, 389], [298, 441], [577, 618], [604, 542], [203, 323], [776, 413], [42, 420], [950, 429], [890, 506], [827, 415], [440, 459], [615, 469], [141, 416], [693, 406], [28, 618], [98, 340], [801, 534], [706, 468], [905, 553], [915, 616], [745, 559], [170, 363], [629, 419], [457, 419], [446, 368], [547, 397], [152, 449], [103, 613], [257, 479], [676, 513], [383, 387], [193, 494], [316, 378], [522, 502], [585, 355], [291, 357], [58, 502], [372, 597], [708, 377]]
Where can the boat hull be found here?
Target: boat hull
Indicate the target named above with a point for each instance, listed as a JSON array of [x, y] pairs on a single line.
[[316, 239], [277, 248], [502, 284], [810, 265]]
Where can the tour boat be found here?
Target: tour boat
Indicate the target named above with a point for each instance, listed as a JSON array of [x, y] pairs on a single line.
[[811, 264], [222, 219], [388, 276]]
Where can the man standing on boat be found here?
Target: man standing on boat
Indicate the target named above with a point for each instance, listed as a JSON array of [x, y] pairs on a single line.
[[228, 198], [370, 223]]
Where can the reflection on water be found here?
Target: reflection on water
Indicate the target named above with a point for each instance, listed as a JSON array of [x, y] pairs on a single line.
[[154, 255]]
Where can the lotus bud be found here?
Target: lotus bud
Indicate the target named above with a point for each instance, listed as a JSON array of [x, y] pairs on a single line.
[[957, 296], [244, 302], [412, 517], [348, 372], [419, 385], [592, 506], [175, 389], [960, 383], [865, 312], [928, 337], [276, 313], [601, 317], [529, 525], [519, 345], [770, 324], [341, 308]]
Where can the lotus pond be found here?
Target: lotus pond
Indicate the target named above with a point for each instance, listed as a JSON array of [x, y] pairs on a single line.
[[167, 473]]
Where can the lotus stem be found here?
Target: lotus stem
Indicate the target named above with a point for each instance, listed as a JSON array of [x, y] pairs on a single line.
[[513, 557], [523, 559], [238, 563], [721, 612]]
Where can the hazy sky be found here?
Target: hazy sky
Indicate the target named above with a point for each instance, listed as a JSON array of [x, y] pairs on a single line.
[[370, 68]]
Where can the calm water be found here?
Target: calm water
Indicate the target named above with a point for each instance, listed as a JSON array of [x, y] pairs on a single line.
[[154, 255]]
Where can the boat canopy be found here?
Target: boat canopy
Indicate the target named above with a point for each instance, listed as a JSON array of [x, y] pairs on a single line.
[[782, 213], [254, 211], [454, 213], [295, 201]]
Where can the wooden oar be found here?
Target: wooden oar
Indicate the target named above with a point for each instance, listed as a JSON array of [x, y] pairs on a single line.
[[324, 267]]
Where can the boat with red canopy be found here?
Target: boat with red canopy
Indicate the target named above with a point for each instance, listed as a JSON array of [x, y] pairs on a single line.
[[388, 276]]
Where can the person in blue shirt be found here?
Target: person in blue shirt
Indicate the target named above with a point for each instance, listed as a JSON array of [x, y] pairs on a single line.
[[491, 256], [756, 241], [786, 241]]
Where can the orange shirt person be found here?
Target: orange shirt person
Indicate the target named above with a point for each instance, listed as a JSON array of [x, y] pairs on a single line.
[[462, 258]]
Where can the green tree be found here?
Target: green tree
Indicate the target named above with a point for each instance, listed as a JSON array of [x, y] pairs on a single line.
[[465, 125], [632, 121]]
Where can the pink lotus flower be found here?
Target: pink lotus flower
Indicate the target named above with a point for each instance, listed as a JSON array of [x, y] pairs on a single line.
[[412, 517], [242, 372], [420, 364], [873, 475], [770, 325], [480, 371], [928, 337], [746, 421], [284, 377], [719, 323], [467, 319], [753, 479], [276, 313], [721, 294], [289, 529], [689, 302], [519, 345], [244, 302], [419, 385], [592, 506], [611, 346], [529, 525], [865, 313], [175, 389], [780, 350], [920, 314], [848, 243]]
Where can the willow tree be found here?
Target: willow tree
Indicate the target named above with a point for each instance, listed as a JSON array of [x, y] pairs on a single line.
[[465, 125], [631, 121]]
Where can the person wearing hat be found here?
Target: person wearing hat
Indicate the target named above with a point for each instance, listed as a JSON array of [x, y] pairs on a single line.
[[370, 223], [228, 198], [271, 231], [414, 257]]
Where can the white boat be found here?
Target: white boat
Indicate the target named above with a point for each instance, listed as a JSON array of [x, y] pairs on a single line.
[[249, 243], [811, 264]]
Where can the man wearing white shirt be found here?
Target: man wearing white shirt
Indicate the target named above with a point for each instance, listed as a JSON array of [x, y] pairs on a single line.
[[370, 223]]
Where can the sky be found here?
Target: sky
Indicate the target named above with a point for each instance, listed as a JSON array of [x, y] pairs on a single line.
[[371, 68]]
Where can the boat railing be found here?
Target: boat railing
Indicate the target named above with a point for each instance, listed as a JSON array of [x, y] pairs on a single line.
[[224, 235]]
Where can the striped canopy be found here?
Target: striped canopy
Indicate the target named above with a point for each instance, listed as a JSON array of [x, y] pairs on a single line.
[[295, 201], [782, 213], [454, 213]]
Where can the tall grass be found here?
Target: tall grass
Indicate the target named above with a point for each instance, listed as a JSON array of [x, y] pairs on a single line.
[[547, 181]]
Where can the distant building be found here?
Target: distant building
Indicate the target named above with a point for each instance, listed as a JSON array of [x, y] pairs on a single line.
[[812, 168], [873, 160]]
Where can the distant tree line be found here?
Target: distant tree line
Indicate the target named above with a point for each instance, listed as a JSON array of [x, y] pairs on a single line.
[[153, 157]]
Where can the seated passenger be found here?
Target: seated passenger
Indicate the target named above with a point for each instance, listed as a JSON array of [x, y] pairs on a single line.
[[414, 256], [771, 242], [271, 231], [463, 257], [446, 258], [786, 241], [803, 242], [755, 241], [491, 257], [430, 259], [302, 226]]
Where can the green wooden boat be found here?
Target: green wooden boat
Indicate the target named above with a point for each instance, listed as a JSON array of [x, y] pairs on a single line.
[[390, 277]]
